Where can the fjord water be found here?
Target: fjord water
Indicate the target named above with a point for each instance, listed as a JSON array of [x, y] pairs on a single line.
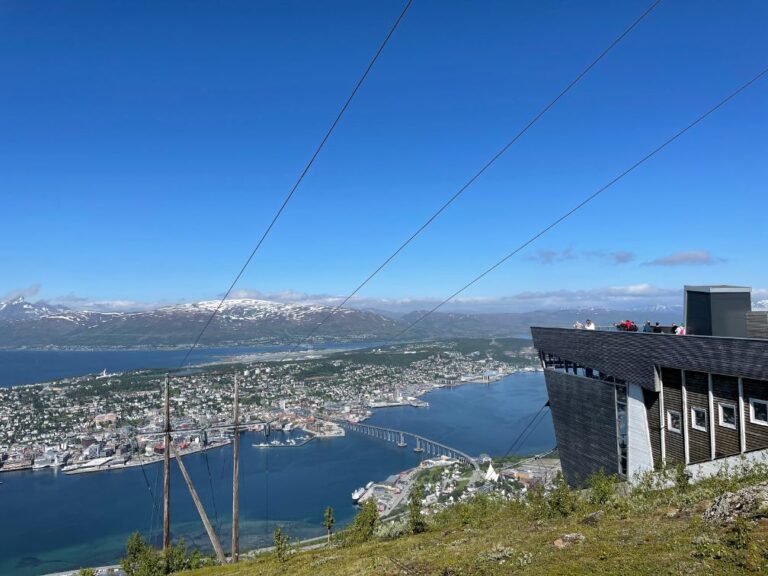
[[31, 366], [53, 522]]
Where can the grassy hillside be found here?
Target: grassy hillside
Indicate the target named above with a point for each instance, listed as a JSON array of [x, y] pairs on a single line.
[[650, 531]]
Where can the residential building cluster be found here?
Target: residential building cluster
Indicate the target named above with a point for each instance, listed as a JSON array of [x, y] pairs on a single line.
[[120, 416]]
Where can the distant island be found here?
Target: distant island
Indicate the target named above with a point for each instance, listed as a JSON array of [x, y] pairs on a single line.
[[105, 421]]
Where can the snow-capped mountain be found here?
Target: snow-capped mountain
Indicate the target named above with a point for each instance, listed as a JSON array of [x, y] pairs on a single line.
[[19, 309], [24, 323], [248, 321]]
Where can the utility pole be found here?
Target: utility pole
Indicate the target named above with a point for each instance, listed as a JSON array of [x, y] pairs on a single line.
[[167, 468], [236, 478], [199, 505]]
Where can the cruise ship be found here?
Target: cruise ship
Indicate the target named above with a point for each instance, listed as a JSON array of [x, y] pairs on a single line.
[[357, 494], [360, 492]]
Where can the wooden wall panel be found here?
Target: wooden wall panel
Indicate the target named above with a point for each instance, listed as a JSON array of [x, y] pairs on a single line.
[[756, 435], [725, 390], [673, 400], [651, 400], [697, 393]]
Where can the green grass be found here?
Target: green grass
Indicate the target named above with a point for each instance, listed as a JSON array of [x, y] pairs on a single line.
[[652, 532]]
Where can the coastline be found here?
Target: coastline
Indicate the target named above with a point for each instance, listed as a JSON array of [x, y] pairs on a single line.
[[131, 463], [121, 363], [457, 384], [414, 401], [174, 347], [84, 468]]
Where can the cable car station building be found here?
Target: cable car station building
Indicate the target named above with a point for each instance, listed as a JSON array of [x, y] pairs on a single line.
[[625, 402]]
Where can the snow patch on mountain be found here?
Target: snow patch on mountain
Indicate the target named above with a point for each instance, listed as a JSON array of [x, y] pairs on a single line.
[[250, 309]]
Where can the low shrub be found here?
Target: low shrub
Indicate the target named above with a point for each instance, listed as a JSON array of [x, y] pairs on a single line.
[[602, 488]]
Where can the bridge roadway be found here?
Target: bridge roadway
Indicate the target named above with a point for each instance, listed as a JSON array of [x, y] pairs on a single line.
[[422, 444]]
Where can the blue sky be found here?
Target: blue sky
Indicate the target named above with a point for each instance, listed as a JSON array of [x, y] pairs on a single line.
[[144, 147]]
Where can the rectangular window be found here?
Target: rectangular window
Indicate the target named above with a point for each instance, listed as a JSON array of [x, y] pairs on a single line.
[[758, 411], [728, 416], [674, 421], [699, 419]]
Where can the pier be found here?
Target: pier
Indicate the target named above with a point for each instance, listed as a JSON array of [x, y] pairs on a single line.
[[400, 438]]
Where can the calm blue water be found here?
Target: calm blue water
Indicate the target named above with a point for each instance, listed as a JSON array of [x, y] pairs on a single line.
[[31, 366], [52, 522]]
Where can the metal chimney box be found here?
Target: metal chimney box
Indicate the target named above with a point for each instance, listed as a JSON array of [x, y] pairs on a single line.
[[717, 310]]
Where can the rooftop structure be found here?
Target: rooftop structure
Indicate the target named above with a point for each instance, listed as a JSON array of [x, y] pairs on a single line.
[[625, 402], [717, 310]]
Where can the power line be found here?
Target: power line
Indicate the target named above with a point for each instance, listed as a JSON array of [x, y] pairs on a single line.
[[524, 430], [152, 520], [151, 496], [522, 435], [524, 439], [483, 169], [589, 198], [300, 178], [210, 484]]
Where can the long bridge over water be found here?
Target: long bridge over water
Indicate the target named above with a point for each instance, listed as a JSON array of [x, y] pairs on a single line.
[[400, 437]]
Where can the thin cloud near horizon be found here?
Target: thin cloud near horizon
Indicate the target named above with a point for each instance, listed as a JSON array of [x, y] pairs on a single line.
[[687, 258], [556, 256], [618, 257]]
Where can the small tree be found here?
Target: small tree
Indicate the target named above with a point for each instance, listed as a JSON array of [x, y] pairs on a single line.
[[140, 558], [682, 478], [328, 522], [364, 524], [561, 501], [86, 572], [177, 558], [415, 519], [282, 545]]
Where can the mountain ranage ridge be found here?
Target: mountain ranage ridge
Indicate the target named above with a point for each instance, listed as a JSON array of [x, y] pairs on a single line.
[[250, 321]]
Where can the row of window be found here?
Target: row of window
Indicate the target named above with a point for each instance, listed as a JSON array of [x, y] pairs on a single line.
[[758, 414], [566, 366]]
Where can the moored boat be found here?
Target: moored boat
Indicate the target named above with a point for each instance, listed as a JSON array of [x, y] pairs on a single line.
[[357, 494]]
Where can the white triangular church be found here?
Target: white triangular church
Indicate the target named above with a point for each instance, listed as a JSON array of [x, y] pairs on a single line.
[[491, 475]]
